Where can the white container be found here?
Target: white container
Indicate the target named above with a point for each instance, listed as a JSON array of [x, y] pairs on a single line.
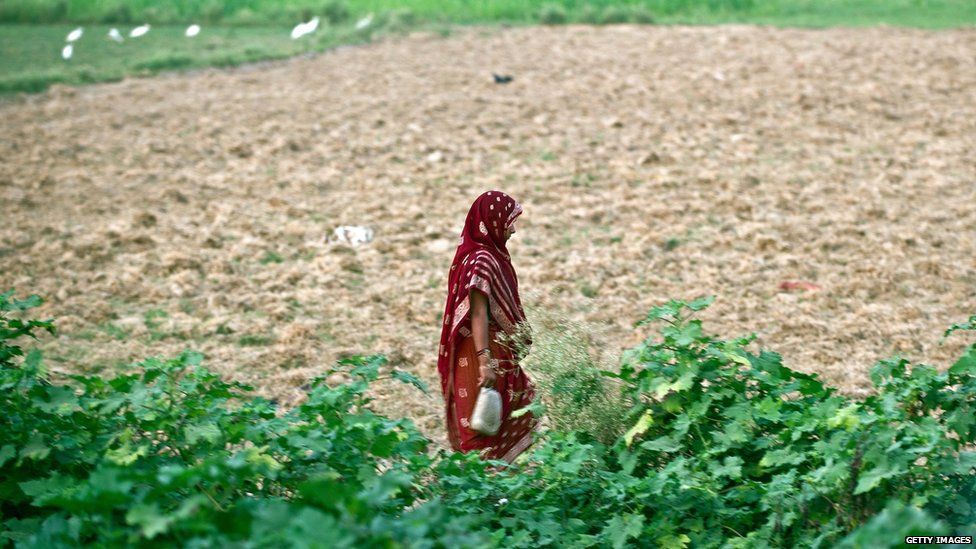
[[487, 415]]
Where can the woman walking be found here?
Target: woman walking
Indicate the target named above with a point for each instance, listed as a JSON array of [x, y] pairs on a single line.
[[482, 301]]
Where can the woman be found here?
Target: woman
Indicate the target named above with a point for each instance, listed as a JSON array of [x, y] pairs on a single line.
[[483, 300]]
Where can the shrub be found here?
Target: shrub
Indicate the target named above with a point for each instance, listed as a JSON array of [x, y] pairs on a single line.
[[212, 11], [173, 454], [589, 14], [33, 11], [335, 11], [572, 393], [721, 447], [613, 15], [640, 14], [552, 14]]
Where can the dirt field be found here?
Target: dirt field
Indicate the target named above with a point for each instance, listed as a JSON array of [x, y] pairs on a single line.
[[653, 162]]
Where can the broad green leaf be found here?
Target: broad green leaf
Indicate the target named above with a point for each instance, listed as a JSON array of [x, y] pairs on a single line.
[[150, 520], [890, 527], [537, 408], [639, 428], [845, 418], [785, 456], [126, 454], [701, 302], [662, 444], [381, 488], [8, 451], [966, 363], [39, 490], [7, 304], [60, 400], [257, 456], [731, 467], [870, 479], [737, 358], [35, 449], [622, 528], [410, 379], [966, 463], [681, 384], [202, 431], [673, 542]]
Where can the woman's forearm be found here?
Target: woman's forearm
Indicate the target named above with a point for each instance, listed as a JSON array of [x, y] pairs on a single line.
[[479, 320]]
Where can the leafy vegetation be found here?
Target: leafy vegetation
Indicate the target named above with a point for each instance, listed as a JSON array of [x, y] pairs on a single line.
[[722, 447]]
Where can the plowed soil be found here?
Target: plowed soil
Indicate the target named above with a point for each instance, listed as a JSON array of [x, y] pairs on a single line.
[[194, 210]]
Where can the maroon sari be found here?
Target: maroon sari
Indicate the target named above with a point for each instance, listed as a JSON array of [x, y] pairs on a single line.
[[482, 264]]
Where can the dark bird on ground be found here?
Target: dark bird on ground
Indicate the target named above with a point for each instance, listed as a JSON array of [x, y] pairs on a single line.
[[502, 78]]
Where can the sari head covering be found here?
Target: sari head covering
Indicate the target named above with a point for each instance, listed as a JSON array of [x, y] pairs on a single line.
[[481, 262]]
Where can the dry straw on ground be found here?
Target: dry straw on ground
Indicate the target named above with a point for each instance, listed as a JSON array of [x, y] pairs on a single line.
[[653, 162]]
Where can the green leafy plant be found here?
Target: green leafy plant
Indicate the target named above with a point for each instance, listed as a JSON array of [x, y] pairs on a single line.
[[174, 455], [708, 444]]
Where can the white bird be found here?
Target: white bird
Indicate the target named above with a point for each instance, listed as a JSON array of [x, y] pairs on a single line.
[[302, 29], [68, 51], [298, 31], [139, 31], [364, 22], [115, 35], [192, 31], [74, 35]]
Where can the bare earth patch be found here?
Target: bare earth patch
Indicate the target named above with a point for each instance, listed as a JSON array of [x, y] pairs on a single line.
[[653, 162]]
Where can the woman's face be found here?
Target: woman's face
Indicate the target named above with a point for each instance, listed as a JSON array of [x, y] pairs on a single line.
[[510, 230]]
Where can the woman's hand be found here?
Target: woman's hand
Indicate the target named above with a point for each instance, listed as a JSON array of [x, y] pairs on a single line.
[[488, 376]]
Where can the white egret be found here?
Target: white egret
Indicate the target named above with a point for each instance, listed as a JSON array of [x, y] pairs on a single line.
[[68, 51], [139, 31], [364, 22], [74, 35], [302, 29], [115, 35], [192, 31], [298, 31]]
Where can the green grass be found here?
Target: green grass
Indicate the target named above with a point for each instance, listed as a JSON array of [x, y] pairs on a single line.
[[804, 13], [30, 55], [32, 32], [921, 13]]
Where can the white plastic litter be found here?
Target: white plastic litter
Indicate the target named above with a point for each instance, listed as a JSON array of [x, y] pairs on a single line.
[[192, 31], [68, 51], [139, 31], [115, 35], [364, 22], [352, 235], [74, 35]]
